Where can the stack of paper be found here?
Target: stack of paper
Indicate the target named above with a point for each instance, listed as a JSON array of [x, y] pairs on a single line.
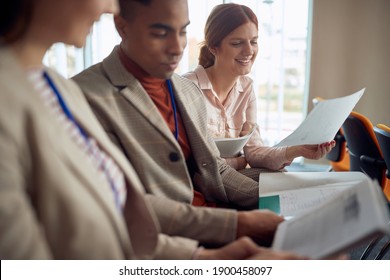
[[289, 193], [353, 216]]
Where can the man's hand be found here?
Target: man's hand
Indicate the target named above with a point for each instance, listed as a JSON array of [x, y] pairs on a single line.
[[260, 225], [242, 249]]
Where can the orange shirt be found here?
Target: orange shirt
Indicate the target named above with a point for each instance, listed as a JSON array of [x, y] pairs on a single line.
[[159, 93]]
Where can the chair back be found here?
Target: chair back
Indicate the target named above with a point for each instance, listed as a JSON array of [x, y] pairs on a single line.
[[382, 133], [363, 147]]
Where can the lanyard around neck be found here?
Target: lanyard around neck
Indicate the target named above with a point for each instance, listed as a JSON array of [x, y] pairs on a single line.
[[176, 132], [97, 156], [63, 105]]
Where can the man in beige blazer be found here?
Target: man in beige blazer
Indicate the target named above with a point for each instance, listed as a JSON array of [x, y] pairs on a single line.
[[153, 36]]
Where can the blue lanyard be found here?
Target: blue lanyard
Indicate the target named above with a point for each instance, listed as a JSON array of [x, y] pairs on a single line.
[[169, 84], [63, 105], [68, 114]]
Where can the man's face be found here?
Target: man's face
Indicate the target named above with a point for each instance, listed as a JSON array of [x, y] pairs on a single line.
[[156, 37]]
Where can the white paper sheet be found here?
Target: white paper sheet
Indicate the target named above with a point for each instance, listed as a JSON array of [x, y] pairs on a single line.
[[323, 122], [291, 193], [231, 147], [294, 202], [275, 182]]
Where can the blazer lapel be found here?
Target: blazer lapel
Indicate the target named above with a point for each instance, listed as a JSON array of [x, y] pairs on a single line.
[[88, 122], [135, 94], [189, 111]]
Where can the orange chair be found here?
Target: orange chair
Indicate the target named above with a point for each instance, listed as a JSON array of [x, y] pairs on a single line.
[[363, 147], [382, 133], [338, 156]]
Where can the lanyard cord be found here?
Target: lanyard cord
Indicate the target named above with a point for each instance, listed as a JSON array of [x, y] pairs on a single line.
[[63, 105], [67, 112], [169, 84]]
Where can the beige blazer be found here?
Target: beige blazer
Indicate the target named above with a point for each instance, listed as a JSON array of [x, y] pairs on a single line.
[[134, 123], [51, 203]]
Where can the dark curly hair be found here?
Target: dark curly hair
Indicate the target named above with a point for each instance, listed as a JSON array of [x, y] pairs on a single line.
[[127, 10]]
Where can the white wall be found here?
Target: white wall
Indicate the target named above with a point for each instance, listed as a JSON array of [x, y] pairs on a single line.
[[351, 50]]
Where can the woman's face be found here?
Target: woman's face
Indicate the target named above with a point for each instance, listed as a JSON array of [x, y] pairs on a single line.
[[237, 51], [70, 21]]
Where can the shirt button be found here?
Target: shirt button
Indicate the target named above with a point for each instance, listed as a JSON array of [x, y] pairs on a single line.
[[204, 164], [174, 157]]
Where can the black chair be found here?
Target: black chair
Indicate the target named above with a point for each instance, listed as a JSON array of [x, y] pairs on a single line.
[[367, 154], [382, 133], [364, 151]]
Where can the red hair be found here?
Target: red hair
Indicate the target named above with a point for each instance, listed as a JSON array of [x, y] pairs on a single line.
[[223, 19]]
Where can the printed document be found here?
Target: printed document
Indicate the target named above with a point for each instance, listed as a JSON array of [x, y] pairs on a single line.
[[290, 193], [353, 216], [323, 122]]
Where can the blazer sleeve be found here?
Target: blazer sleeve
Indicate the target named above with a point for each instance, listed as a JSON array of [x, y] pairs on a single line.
[[178, 218], [240, 189], [175, 248]]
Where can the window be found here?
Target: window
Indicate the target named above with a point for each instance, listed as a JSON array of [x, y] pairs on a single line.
[[279, 73], [69, 60]]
